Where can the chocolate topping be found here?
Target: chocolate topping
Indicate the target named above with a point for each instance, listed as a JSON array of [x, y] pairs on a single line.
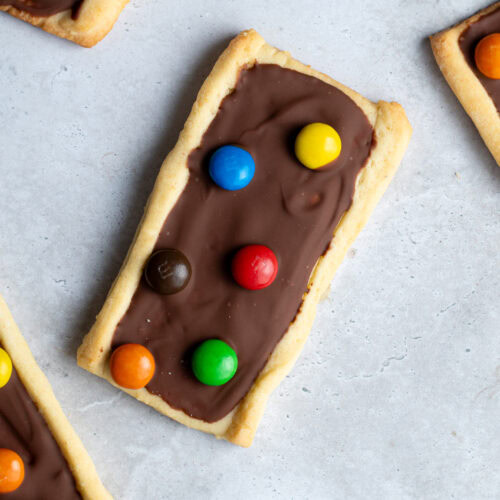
[[287, 207], [487, 24], [23, 430], [43, 8], [167, 271]]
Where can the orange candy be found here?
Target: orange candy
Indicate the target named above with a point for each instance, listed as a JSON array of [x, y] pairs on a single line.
[[487, 56], [11, 470], [132, 366]]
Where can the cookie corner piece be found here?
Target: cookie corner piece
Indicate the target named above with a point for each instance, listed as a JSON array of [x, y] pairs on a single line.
[[40, 391], [94, 22], [464, 83]]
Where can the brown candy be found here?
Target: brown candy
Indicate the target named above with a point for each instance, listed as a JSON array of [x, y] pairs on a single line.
[[167, 271]]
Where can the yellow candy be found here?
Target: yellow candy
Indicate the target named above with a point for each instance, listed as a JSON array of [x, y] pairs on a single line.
[[5, 367], [317, 145]]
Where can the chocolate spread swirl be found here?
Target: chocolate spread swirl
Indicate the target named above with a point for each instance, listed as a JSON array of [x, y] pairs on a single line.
[[287, 207]]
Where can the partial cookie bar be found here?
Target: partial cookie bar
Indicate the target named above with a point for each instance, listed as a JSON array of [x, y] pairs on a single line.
[[257, 97], [33, 426], [85, 22], [478, 94]]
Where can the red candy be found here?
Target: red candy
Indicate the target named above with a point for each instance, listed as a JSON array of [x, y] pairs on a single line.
[[254, 267]]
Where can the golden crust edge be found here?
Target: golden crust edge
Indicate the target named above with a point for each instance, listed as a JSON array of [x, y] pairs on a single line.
[[95, 21], [463, 82], [247, 48], [38, 387]]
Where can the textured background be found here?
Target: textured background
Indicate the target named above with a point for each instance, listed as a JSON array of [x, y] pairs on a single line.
[[397, 393]]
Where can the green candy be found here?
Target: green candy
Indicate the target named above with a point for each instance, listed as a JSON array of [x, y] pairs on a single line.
[[214, 362]]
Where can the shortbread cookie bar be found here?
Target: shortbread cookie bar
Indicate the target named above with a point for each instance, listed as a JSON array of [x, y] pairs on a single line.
[[468, 55], [85, 22], [40, 454], [219, 290]]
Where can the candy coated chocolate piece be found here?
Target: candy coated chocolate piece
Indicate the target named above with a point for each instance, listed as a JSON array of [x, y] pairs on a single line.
[[231, 167], [5, 367], [167, 271], [11, 470], [214, 362], [132, 366], [254, 267], [317, 144], [487, 56]]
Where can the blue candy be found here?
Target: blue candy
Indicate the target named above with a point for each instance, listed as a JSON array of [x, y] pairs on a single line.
[[231, 167]]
